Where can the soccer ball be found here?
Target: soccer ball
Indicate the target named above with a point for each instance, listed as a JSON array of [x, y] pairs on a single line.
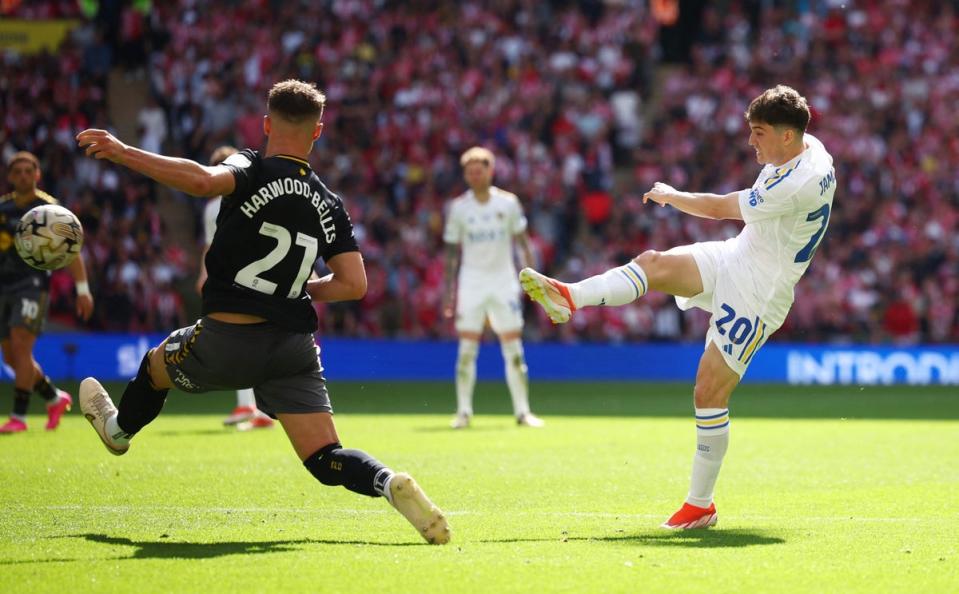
[[48, 237]]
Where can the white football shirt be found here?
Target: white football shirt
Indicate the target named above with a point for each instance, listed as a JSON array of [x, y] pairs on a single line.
[[786, 213], [485, 231]]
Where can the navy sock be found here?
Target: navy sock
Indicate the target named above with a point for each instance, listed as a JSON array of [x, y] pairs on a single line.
[[354, 469], [140, 403], [21, 400], [45, 388]]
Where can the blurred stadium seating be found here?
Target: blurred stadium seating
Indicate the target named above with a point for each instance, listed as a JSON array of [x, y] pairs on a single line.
[[585, 103]]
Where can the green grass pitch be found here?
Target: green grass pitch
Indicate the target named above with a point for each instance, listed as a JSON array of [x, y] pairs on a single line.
[[824, 489]]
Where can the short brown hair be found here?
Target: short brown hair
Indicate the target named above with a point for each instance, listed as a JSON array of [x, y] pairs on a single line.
[[24, 156], [296, 101], [780, 106], [220, 154]]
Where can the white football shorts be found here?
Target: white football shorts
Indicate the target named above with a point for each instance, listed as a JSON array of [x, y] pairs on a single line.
[[735, 326], [501, 305]]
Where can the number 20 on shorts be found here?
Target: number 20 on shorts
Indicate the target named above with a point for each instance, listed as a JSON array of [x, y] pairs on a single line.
[[743, 330]]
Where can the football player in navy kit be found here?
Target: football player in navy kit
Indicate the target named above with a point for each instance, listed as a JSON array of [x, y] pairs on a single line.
[[276, 219], [24, 298]]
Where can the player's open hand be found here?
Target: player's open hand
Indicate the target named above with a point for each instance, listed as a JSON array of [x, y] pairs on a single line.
[[100, 144], [84, 307], [660, 194]]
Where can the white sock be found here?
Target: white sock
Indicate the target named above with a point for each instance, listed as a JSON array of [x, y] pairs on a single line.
[[245, 398], [712, 440], [466, 376], [381, 483], [617, 286], [517, 377], [115, 433]]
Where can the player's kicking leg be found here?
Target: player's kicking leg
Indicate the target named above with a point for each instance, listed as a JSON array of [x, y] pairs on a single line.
[[678, 273], [674, 272], [617, 286], [314, 438]]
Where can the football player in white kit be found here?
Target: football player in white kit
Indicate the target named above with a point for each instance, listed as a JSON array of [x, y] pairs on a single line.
[[484, 223], [745, 282], [245, 415]]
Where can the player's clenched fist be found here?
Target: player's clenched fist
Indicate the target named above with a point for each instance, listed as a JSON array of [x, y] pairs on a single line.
[[100, 144], [659, 194]]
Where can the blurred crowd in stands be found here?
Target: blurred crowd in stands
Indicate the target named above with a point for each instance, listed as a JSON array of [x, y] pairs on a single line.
[[586, 104]]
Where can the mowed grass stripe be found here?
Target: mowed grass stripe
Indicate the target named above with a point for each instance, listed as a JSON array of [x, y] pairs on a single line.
[[807, 502]]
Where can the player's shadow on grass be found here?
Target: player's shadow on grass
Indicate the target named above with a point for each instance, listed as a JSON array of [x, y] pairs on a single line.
[[696, 539], [203, 550], [700, 539]]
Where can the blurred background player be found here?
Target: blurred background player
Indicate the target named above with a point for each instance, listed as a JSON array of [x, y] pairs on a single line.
[[484, 222], [276, 220], [746, 282], [24, 298], [245, 414]]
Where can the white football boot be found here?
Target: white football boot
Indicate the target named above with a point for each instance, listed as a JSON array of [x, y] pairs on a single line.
[[410, 500], [96, 406]]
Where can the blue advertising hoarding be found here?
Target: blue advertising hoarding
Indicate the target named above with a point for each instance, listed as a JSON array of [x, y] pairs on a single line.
[[117, 357]]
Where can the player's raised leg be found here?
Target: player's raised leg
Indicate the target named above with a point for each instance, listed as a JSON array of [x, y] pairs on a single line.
[[314, 438], [670, 272], [715, 382]]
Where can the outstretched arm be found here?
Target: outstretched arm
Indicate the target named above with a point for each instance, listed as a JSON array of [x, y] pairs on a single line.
[[708, 206], [181, 174], [346, 282]]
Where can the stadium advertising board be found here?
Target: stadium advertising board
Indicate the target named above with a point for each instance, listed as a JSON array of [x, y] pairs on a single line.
[[30, 37], [117, 357]]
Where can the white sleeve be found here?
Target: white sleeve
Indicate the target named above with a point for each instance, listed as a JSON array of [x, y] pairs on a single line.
[[453, 230], [210, 211], [775, 197]]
